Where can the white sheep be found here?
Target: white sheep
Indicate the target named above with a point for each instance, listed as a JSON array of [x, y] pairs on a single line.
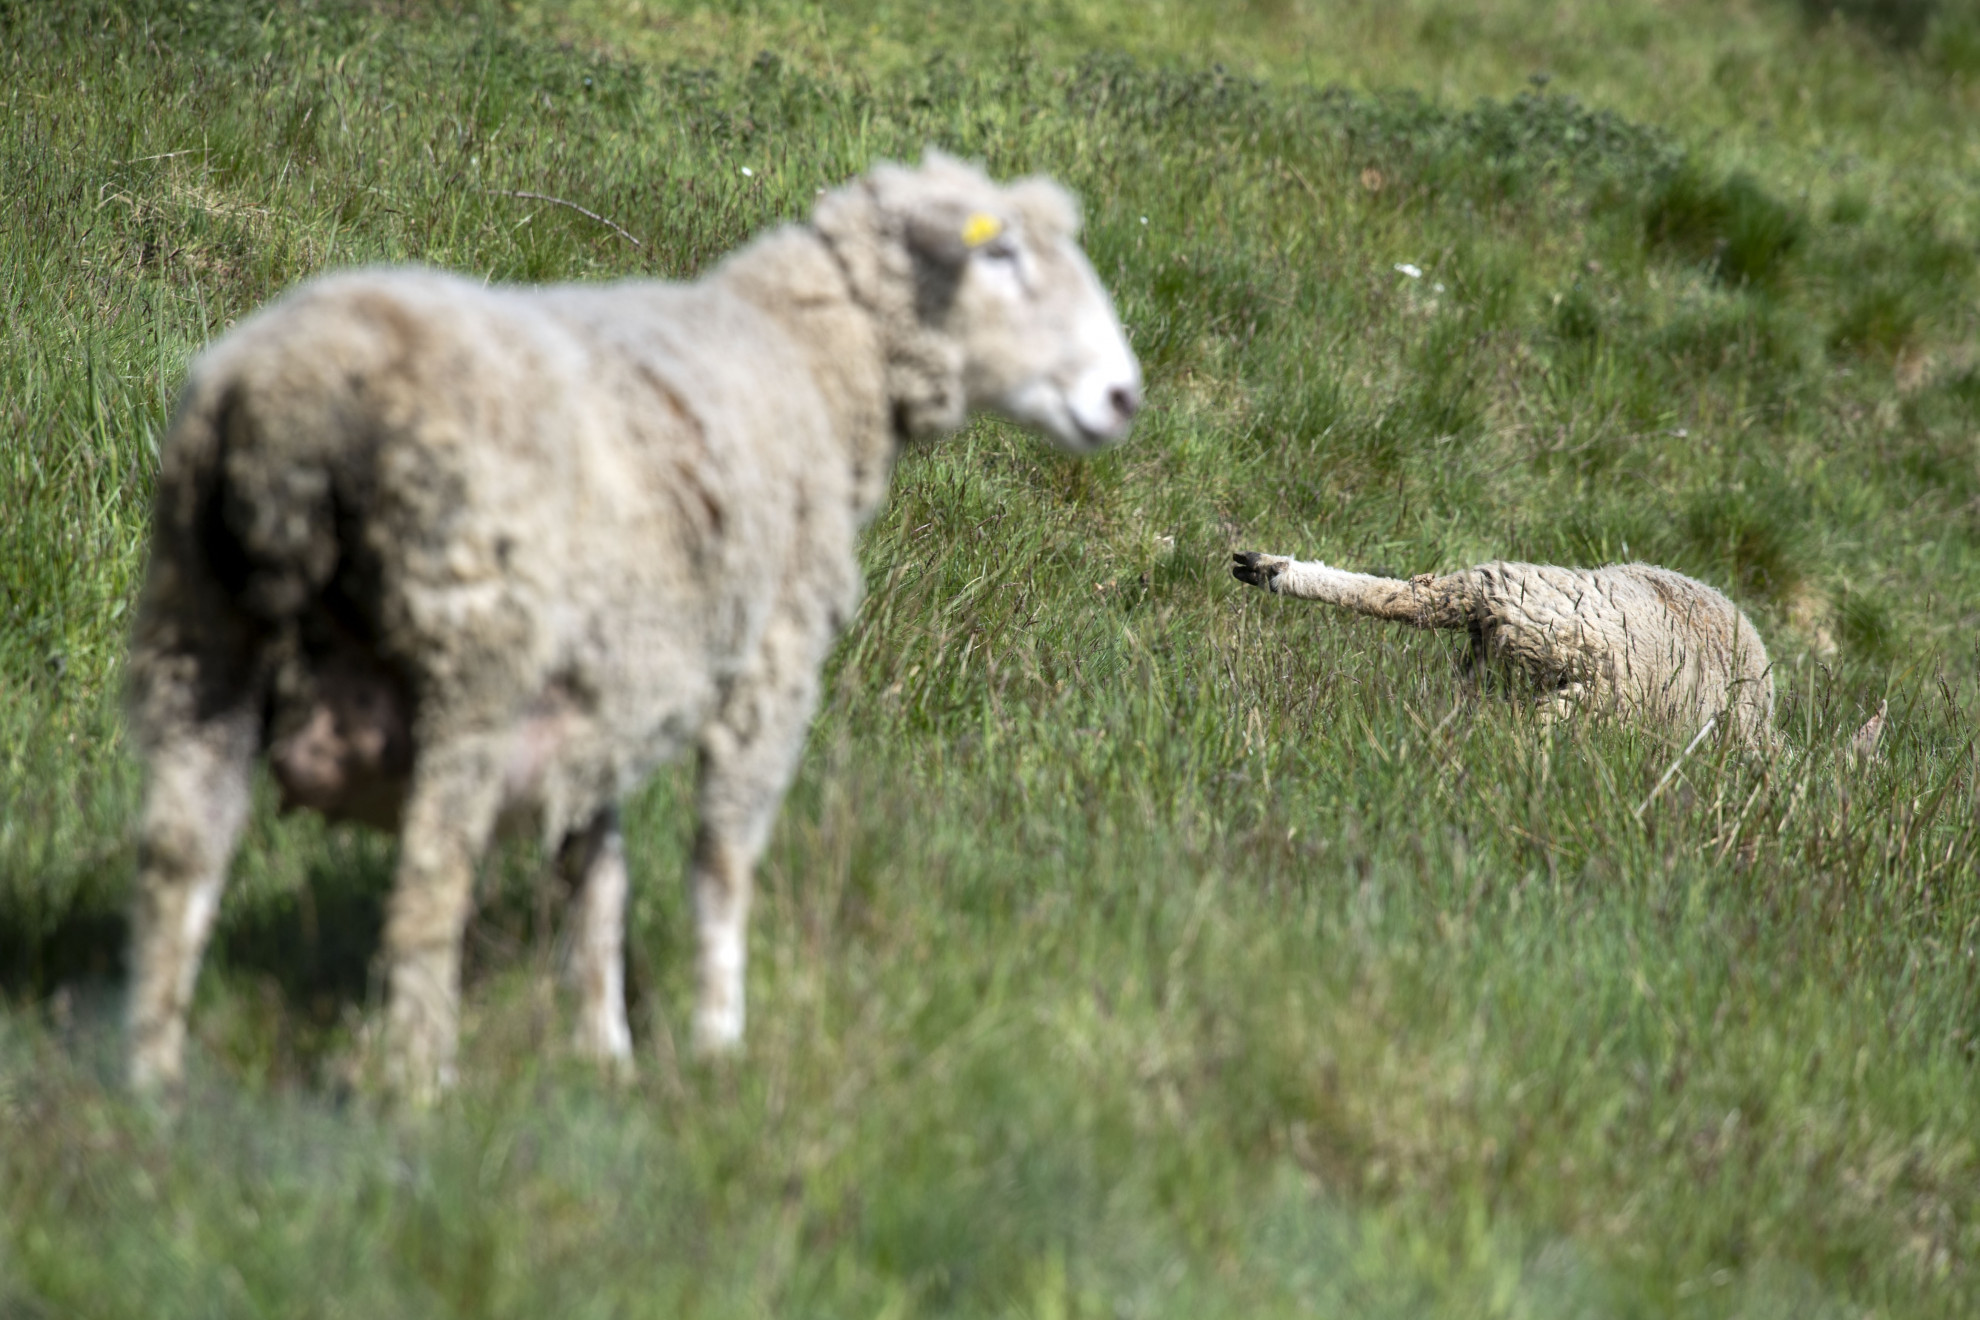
[[1628, 639], [458, 558]]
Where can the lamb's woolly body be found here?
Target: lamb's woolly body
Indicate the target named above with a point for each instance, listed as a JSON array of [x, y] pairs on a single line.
[[1638, 639], [454, 555]]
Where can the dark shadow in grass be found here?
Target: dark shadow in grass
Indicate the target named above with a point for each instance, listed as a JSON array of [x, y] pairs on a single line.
[[1577, 317], [1898, 24], [1751, 543], [1941, 442], [318, 942], [1879, 320], [315, 943], [1733, 225], [1863, 624], [82, 946]]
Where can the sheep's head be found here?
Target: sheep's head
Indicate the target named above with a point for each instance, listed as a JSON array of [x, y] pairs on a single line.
[[994, 305]]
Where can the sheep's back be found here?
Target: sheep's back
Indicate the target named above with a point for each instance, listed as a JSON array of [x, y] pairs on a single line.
[[1656, 640], [591, 492], [1554, 623], [1685, 620]]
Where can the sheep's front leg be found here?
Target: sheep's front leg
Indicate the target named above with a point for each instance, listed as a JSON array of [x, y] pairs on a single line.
[[448, 817], [594, 863], [747, 759], [195, 804]]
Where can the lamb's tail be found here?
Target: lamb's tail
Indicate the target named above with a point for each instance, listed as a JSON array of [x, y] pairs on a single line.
[[1422, 601]]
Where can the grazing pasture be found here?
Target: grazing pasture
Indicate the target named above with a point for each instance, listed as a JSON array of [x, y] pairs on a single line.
[[1132, 942]]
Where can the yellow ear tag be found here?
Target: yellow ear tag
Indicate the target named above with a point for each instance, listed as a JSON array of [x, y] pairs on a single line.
[[980, 229]]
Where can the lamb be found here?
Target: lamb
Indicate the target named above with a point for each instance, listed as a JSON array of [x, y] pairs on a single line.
[[1628, 639], [459, 559]]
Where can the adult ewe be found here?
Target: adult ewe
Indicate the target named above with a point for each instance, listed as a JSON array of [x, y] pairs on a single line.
[[1631, 639], [457, 557]]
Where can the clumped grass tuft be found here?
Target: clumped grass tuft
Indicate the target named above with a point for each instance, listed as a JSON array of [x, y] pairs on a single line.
[[1901, 24], [1733, 225], [1132, 943], [1752, 539], [1863, 626], [1880, 321]]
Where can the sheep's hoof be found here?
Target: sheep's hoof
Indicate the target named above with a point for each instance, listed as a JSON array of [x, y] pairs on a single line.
[[616, 1068], [1256, 568], [419, 1064], [718, 1034], [415, 1085], [609, 1046], [156, 1070], [159, 1092]]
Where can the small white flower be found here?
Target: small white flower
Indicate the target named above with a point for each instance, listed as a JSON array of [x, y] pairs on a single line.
[[1144, 219], [1415, 272], [1438, 287], [748, 173]]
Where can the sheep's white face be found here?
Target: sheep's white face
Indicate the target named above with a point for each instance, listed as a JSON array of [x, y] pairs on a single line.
[[1005, 287], [1041, 344]]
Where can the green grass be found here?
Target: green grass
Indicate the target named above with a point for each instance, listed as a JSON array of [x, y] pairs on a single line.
[[1132, 943]]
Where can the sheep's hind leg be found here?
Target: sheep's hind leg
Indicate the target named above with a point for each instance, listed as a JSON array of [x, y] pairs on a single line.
[[594, 862], [449, 813], [747, 759], [720, 879], [1423, 601], [196, 801]]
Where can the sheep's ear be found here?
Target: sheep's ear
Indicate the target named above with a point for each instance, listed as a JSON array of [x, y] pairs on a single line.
[[945, 233], [1045, 206]]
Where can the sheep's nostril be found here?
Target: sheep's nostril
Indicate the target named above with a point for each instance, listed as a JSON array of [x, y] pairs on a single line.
[[1126, 400]]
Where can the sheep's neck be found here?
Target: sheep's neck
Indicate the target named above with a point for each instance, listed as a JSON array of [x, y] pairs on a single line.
[[796, 278]]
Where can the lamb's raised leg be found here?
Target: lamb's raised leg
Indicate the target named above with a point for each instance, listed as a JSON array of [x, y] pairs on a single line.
[[594, 863], [747, 759], [456, 791], [1425, 601], [195, 804]]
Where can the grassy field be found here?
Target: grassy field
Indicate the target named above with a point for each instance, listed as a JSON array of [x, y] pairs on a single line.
[[1132, 943]]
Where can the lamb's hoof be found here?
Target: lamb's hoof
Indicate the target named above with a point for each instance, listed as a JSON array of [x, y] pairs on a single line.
[[1257, 569]]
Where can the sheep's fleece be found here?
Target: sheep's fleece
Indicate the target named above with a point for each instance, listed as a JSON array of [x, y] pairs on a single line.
[[1628, 639], [456, 558]]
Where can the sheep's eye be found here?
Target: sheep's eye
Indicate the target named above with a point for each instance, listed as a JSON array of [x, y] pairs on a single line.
[[1000, 249]]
